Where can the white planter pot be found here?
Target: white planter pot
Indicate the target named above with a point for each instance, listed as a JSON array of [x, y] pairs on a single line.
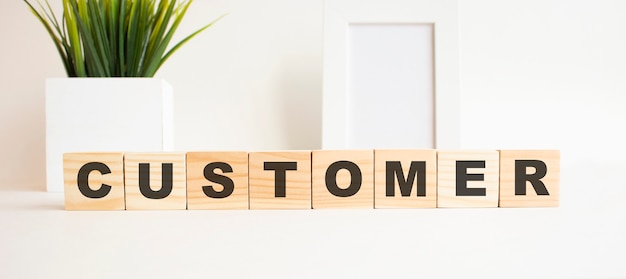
[[105, 114]]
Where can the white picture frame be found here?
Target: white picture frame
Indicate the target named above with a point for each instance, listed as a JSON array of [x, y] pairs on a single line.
[[340, 14]]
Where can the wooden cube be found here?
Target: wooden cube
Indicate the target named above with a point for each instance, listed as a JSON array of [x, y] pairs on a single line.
[[217, 180], [343, 179], [155, 181], [94, 181], [467, 178], [529, 178], [280, 180], [405, 178]]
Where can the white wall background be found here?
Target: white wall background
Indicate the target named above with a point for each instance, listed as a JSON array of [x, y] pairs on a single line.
[[253, 82], [534, 74]]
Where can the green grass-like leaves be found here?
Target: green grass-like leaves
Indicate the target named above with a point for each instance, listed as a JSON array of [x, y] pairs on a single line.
[[114, 38]]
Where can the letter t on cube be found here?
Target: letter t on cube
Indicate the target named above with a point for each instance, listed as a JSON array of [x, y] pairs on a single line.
[[280, 180]]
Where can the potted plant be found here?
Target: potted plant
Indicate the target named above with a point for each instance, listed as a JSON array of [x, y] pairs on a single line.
[[110, 49]]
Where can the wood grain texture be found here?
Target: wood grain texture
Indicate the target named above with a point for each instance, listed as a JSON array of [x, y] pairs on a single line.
[[405, 157], [323, 198], [75, 200], [177, 198], [447, 195], [262, 182], [551, 180], [196, 180]]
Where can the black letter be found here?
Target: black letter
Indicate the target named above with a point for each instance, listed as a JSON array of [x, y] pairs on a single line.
[[462, 177], [167, 176], [355, 179], [83, 180], [394, 167], [521, 177], [210, 175], [280, 174]]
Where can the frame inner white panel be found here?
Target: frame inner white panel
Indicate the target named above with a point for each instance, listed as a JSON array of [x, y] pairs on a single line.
[[390, 86], [342, 16]]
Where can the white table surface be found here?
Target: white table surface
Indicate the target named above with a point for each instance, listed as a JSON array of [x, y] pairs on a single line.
[[584, 238]]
